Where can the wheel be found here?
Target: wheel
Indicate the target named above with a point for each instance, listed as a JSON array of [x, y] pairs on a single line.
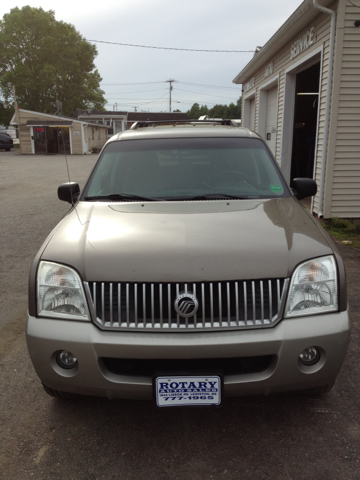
[[230, 173], [58, 393], [8, 149]]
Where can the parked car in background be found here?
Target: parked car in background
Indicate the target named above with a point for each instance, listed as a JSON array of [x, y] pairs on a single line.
[[187, 270], [6, 142]]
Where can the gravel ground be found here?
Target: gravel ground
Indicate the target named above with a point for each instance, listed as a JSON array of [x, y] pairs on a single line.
[[279, 437]]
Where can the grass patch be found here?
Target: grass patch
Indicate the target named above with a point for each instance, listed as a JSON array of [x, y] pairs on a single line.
[[344, 230]]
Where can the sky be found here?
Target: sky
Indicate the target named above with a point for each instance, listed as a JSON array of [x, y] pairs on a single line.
[[135, 79]]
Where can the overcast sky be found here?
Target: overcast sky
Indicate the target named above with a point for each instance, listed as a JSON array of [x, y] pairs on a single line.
[[193, 24]]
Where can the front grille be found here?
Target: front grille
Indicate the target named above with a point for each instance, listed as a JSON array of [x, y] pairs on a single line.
[[152, 367], [221, 305]]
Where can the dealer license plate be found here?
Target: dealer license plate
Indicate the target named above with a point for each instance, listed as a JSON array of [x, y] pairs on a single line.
[[183, 391]]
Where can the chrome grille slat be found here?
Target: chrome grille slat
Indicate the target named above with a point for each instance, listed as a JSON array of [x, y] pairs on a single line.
[[237, 303], [111, 305], [262, 300], [136, 304], [203, 303], [211, 305], [278, 293], [177, 316], [103, 302], [152, 306], [127, 305], [169, 304], [270, 299], [253, 301], [186, 319], [119, 303], [221, 305], [94, 296], [195, 316], [144, 304], [245, 302], [161, 305], [228, 301]]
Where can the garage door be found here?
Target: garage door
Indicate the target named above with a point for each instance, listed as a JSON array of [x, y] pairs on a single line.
[[271, 118]]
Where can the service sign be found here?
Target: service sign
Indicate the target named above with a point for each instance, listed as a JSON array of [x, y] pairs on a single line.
[[302, 43], [184, 391]]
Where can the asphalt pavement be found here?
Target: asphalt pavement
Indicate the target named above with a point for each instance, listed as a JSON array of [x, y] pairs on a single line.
[[276, 437]]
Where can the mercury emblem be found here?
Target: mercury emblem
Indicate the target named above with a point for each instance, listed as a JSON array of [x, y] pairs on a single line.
[[186, 305]]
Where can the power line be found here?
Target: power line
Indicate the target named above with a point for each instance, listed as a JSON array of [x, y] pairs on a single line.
[[156, 100], [201, 93], [191, 102], [139, 91], [128, 98], [138, 83], [208, 86], [177, 81], [172, 48]]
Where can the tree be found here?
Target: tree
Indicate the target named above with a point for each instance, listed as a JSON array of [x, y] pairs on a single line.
[[6, 113], [45, 60], [196, 111], [217, 111]]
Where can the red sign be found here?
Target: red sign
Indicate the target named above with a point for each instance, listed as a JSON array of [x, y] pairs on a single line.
[[39, 130]]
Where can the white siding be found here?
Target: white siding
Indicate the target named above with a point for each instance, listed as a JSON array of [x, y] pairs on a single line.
[[252, 114], [343, 175], [271, 118]]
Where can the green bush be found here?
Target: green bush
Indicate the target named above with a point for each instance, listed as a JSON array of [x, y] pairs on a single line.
[[342, 225]]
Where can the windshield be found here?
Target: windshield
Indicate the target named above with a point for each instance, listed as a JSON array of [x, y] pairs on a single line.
[[184, 169]]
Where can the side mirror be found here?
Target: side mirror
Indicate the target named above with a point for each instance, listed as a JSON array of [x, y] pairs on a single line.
[[69, 192], [304, 187]]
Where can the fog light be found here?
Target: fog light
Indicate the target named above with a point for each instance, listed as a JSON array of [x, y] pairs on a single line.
[[66, 359], [309, 356]]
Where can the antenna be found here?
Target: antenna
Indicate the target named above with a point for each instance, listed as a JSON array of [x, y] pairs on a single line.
[[135, 108], [59, 107]]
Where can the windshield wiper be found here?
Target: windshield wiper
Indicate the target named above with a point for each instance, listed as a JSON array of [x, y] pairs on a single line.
[[122, 196], [214, 196]]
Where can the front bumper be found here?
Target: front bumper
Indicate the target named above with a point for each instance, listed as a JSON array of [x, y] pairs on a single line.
[[329, 332]]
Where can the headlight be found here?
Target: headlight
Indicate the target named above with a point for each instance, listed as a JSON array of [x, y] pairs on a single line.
[[60, 293], [313, 288]]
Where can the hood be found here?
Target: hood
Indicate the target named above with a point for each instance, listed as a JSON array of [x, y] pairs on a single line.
[[186, 241]]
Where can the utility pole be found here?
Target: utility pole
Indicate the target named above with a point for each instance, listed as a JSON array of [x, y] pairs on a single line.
[[135, 108], [170, 82]]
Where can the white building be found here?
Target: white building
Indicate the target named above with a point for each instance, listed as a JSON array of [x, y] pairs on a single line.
[[45, 134], [301, 92]]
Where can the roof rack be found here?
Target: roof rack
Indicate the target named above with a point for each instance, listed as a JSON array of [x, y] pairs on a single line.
[[158, 123]]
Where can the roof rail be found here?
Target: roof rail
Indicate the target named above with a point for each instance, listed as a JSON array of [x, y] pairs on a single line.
[[158, 123]]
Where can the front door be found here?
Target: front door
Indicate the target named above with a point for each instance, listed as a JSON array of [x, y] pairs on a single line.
[[40, 140]]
